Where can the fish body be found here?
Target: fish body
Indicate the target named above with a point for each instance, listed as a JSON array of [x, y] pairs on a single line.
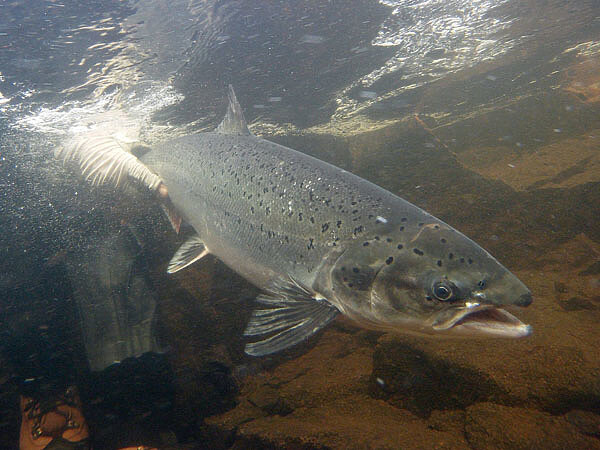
[[320, 240]]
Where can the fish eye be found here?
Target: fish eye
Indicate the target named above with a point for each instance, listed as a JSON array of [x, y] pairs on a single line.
[[442, 290]]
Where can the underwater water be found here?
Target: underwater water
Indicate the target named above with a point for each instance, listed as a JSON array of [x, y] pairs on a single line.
[[486, 114]]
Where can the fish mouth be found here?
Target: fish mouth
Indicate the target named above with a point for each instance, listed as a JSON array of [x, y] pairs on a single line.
[[482, 320]]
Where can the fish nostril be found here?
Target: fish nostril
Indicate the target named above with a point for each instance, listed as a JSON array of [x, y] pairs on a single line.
[[524, 300]]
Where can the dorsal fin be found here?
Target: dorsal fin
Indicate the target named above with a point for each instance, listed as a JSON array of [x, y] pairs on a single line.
[[233, 122]]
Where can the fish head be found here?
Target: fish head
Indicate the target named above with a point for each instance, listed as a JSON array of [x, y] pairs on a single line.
[[436, 281]]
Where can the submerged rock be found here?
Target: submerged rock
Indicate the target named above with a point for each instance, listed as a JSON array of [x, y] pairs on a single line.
[[321, 400], [421, 382], [585, 421], [490, 426]]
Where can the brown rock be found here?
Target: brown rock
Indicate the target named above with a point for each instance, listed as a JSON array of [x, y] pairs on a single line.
[[326, 392], [450, 420], [585, 421], [356, 422], [491, 426]]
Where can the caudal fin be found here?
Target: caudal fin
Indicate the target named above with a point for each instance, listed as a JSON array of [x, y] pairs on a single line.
[[103, 160]]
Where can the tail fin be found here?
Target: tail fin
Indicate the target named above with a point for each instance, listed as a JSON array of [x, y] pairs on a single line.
[[104, 160]]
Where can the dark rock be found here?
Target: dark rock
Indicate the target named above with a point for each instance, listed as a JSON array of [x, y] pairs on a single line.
[[267, 398], [560, 287], [577, 304], [593, 269], [420, 382]]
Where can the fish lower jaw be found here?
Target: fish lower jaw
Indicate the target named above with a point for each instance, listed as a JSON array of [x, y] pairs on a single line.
[[485, 321], [495, 330]]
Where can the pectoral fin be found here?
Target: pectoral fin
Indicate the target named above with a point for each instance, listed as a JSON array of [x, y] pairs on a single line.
[[191, 251], [296, 314]]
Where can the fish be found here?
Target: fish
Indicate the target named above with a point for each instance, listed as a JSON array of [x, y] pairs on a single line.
[[318, 240], [114, 296]]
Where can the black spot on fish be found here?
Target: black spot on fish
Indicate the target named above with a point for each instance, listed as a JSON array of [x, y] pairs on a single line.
[[404, 219], [339, 223], [324, 227], [418, 252], [401, 228], [443, 241], [400, 247], [312, 220], [437, 227], [388, 240], [355, 269], [299, 217], [252, 209], [421, 224], [470, 261], [462, 260], [439, 263], [310, 243], [450, 255], [365, 244], [389, 260]]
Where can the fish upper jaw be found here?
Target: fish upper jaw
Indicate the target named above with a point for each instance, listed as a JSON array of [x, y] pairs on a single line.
[[476, 319]]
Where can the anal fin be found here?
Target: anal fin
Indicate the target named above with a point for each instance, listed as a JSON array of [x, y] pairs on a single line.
[[296, 315], [172, 214], [191, 251]]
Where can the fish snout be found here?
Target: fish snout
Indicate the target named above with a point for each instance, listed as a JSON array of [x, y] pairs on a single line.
[[524, 300]]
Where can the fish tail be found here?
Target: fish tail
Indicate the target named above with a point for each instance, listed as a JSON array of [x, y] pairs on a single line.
[[104, 160]]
